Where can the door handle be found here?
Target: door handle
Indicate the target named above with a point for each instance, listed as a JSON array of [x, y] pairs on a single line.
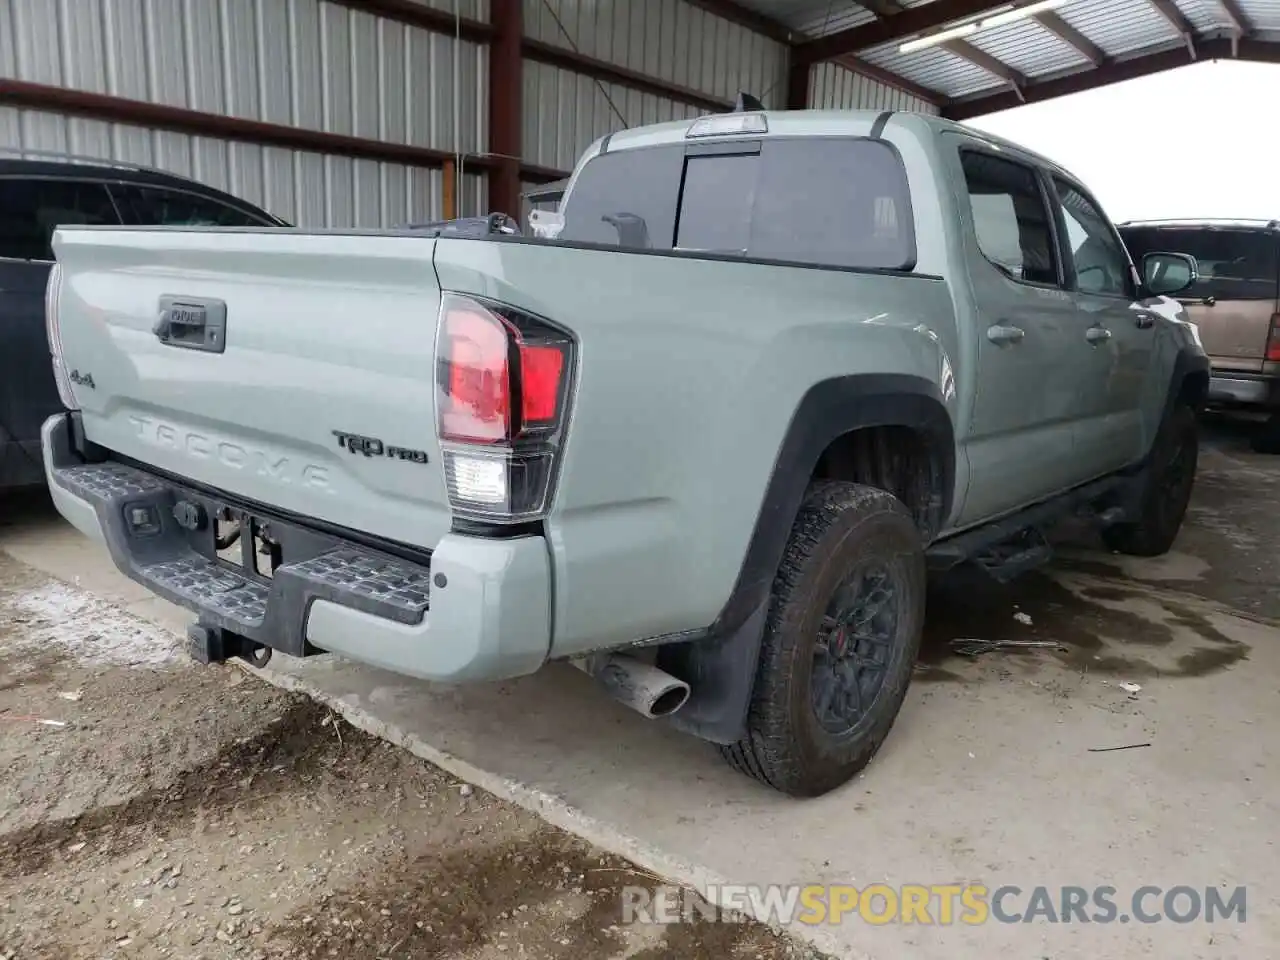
[[1005, 334], [1097, 334], [1144, 321]]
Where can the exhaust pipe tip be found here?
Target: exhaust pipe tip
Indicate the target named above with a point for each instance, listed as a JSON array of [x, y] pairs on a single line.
[[649, 691], [670, 700]]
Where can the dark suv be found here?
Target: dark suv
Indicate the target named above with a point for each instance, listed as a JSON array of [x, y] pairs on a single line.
[[37, 193]]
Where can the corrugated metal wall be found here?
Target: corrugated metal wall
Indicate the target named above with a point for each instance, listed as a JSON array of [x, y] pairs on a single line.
[[833, 87], [304, 63], [323, 66], [307, 189], [667, 39], [565, 111]]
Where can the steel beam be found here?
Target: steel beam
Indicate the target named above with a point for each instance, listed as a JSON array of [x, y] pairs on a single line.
[[799, 79], [1240, 23], [912, 21], [506, 85], [418, 15], [566, 59], [850, 62], [961, 48], [985, 61], [743, 17], [1071, 37], [1178, 21], [1260, 51]]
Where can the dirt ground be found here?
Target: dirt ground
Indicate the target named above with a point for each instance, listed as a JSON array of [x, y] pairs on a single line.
[[152, 808]]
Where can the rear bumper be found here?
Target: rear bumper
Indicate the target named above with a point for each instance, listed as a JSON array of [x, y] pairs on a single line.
[[1259, 390], [477, 609]]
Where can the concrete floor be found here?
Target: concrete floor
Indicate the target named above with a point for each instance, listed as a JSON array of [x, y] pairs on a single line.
[[988, 774]]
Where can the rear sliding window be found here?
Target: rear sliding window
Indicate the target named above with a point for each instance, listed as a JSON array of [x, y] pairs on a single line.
[[1234, 264], [829, 202]]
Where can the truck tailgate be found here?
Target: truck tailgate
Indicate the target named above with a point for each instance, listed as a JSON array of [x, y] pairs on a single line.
[[319, 400]]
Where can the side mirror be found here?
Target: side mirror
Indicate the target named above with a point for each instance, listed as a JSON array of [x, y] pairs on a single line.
[[1165, 274]]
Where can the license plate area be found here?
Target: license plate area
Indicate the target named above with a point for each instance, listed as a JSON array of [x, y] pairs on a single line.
[[247, 543]]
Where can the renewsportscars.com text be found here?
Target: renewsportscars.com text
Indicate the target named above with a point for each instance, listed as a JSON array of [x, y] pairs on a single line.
[[936, 904]]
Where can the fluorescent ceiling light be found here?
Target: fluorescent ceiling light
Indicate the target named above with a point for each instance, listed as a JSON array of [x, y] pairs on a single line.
[[952, 33], [992, 20], [1021, 13]]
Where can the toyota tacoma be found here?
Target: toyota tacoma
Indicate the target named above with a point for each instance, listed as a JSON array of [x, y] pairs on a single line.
[[704, 435]]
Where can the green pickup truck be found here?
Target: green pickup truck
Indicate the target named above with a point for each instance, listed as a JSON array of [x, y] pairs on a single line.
[[706, 442]]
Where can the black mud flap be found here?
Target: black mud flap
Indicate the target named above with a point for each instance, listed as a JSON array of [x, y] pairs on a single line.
[[721, 673]]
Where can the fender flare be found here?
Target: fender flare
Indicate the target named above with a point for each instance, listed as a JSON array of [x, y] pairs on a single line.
[[1191, 362], [721, 667]]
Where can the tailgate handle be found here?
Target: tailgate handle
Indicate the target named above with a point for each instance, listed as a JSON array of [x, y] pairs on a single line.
[[192, 323]]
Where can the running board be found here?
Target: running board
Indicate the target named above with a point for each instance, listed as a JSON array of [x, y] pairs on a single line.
[[995, 536], [1007, 561]]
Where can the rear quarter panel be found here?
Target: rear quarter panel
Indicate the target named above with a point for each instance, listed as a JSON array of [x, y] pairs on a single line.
[[690, 372]]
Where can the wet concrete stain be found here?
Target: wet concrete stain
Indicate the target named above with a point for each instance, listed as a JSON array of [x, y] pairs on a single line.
[[1092, 635]]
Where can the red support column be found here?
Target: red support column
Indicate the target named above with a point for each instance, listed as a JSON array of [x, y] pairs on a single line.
[[799, 70], [506, 83]]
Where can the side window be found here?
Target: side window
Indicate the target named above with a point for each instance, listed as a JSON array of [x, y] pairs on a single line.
[[158, 206], [1010, 217], [31, 209], [1101, 265]]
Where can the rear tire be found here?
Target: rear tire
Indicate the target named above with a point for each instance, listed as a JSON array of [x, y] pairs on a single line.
[[829, 683], [1267, 439], [1167, 491]]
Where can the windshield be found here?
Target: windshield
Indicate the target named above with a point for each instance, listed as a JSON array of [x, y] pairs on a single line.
[[821, 201]]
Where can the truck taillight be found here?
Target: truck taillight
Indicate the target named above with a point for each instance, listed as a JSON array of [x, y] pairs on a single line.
[[1273, 339], [502, 392], [52, 298]]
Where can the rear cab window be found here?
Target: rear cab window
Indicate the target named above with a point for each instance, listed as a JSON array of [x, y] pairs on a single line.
[[834, 202], [1234, 263]]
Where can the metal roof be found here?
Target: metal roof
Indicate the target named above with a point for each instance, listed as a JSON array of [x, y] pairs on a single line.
[[1053, 49]]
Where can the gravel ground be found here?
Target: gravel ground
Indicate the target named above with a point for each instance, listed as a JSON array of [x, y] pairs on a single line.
[[151, 808]]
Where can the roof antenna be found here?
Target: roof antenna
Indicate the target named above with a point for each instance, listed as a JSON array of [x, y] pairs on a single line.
[[746, 102]]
